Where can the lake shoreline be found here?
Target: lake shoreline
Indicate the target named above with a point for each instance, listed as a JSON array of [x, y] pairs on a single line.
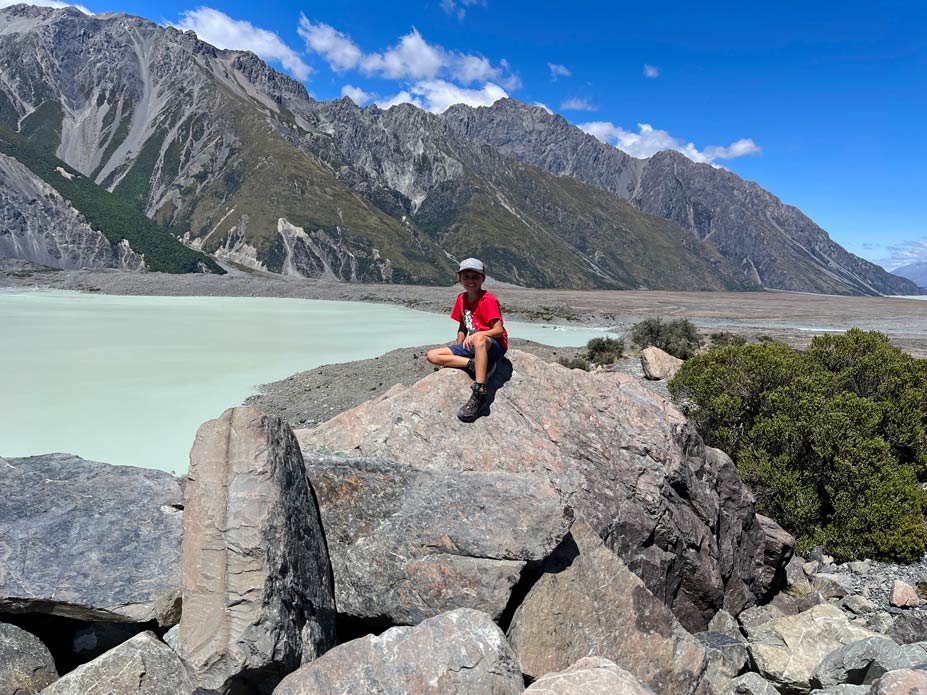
[[790, 317]]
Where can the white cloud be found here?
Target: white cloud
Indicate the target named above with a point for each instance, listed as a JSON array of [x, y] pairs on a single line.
[[905, 253], [557, 70], [437, 95], [412, 58], [543, 106], [651, 71], [648, 141], [338, 49], [357, 95], [576, 105], [222, 31], [45, 3]]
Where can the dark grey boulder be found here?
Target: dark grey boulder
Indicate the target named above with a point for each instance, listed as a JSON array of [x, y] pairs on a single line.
[[589, 602], [142, 666], [26, 666], [257, 587], [89, 540], [860, 663], [909, 627], [626, 460], [461, 652], [407, 544]]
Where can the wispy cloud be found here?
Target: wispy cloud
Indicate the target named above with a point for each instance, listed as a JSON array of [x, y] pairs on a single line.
[[357, 95], [437, 95], [905, 253], [648, 141], [222, 31], [651, 71], [576, 104], [411, 58], [557, 70], [45, 3], [458, 8]]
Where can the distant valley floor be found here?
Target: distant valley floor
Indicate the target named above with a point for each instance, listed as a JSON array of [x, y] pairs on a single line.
[[792, 318]]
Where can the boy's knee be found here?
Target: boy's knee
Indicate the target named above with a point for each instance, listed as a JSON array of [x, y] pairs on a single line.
[[480, 342], [432, 355]]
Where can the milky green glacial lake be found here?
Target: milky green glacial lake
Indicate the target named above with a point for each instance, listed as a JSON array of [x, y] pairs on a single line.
[[128, 380]]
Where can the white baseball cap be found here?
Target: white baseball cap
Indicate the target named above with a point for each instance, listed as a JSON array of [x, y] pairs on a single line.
[[472, 264]]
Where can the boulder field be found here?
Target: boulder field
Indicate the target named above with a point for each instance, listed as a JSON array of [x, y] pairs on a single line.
[[577, 538]]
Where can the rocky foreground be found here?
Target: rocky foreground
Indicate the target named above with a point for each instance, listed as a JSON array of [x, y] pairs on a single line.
[[579, 537]]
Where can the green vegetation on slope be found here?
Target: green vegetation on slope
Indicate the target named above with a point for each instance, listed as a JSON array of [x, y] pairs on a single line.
[[833, 441], [105, 212]]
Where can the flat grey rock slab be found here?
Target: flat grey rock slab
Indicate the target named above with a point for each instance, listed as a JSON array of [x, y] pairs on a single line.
[[589, 676], [626, 460], [142, 666], [408, 544], [461, 652], [257, 590], [26, 666], [589, 602], [89, 540]]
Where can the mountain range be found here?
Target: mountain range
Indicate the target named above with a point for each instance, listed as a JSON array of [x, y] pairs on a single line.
[[915, 272], [186, 154]]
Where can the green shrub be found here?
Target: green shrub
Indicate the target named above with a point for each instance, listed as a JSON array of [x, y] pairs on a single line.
[[578, 362], [604, 350], [725, 338], [678, 337], [832, 441]]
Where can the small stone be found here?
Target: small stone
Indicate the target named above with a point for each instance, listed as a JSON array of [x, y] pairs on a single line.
[[811, 567], [903, 595], [658, 364], [752, 684], [860, 567], [831, 585], [859, 605], [908, 628]]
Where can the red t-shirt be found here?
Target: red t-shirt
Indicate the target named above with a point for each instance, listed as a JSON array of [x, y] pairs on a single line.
[[477, 317]]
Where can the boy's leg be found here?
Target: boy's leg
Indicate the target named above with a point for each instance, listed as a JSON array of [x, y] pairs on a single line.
[[446, 357], [486, 352]]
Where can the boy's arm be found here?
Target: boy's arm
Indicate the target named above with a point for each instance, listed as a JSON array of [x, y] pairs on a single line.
[[461, 332], [495, 331]]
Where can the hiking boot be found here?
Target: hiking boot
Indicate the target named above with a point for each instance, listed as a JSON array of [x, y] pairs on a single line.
[[471, 409], [470, 369]]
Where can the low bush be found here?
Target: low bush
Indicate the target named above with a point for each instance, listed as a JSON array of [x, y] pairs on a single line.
[[833, 441], [724, 338], [678, 337], [578, 362], [604, 350]]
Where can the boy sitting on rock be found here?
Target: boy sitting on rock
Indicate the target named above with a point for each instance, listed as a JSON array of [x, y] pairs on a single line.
[[481, 337]]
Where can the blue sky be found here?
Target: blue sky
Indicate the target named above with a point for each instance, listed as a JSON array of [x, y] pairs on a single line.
[[822, 103]]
